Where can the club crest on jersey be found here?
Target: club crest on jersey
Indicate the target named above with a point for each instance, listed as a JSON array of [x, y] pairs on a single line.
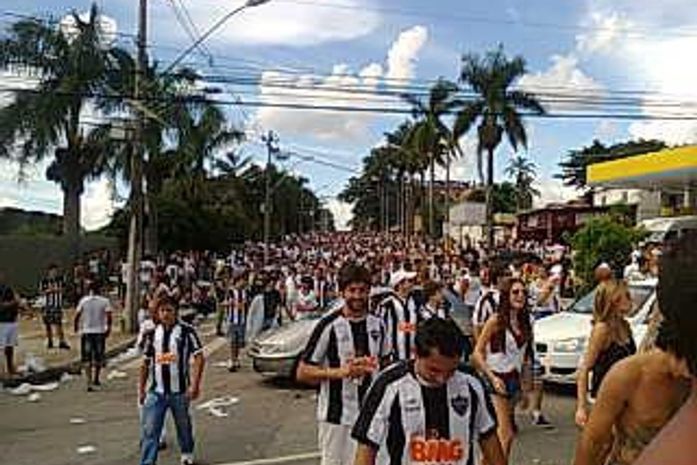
[[459, 404]]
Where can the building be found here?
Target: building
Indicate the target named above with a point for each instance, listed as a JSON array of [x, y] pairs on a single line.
[[660, 183], [552, 222], [468, 221]]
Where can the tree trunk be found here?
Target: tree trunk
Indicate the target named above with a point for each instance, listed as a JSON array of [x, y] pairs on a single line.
[[72, 190], [431, 218], [152, 224], [490, 200], [447, 194]]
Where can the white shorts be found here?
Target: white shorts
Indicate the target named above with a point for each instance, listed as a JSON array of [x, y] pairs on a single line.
[[335, 444], [8, 334]]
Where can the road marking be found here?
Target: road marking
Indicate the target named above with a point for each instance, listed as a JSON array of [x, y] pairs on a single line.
[[277, 460]]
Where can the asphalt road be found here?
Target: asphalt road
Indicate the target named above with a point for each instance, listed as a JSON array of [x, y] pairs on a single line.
[[272, 423]]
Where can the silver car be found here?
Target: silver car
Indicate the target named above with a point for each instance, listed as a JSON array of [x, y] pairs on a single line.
[[276, 351]]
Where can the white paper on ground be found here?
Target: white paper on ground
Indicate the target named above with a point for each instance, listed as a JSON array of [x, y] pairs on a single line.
[[34, 397], [116, 374], [26, 388], [45, 387], [77, 421], [66, 377], [87, 449]]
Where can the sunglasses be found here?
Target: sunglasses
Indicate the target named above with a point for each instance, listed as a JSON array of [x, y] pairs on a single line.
[[517, 291]]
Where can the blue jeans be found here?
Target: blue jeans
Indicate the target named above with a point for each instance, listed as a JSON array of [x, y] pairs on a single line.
[[152, 421]]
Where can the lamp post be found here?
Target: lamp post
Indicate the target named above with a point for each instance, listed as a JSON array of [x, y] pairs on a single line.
[[212, 29]]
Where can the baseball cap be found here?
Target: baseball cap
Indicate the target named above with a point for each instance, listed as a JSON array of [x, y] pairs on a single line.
[[401, 275]]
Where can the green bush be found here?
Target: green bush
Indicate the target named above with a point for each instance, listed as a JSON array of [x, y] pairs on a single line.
[[603, 239]]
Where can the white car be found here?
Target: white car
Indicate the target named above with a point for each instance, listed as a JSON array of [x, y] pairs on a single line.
[[561, 339]]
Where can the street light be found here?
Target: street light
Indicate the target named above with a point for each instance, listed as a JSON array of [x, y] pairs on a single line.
[[212, 29]]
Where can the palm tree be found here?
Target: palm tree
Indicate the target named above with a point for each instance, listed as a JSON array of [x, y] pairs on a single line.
[[202, 132], [432, 136], [496, 110], [167, 97], [523, 172], [72, 66], [232, 164]]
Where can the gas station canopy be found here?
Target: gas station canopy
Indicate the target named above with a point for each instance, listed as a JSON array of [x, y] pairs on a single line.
[[667, 169]]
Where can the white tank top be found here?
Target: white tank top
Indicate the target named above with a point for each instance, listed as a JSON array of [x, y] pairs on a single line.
[[510, 358]]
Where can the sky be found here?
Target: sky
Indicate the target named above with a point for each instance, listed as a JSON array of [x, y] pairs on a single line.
[[603, 47]]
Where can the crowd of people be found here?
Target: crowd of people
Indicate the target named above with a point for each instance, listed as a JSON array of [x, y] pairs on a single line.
[[423, 352]]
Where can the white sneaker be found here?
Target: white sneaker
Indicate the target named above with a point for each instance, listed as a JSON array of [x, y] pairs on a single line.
[[187, 459]]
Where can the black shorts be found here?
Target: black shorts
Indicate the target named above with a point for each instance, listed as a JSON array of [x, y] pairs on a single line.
[[93, 348], [53, 315]]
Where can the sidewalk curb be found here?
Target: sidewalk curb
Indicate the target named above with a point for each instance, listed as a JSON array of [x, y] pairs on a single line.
[[55, 372]]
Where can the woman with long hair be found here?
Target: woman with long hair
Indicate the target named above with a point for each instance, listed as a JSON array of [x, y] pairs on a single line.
[[610, 341], [503, 349]]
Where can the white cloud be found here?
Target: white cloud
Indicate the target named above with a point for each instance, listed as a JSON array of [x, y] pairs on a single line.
[[343, 213], [565, 80], [341, 88], [553, 191], [97, 205], [464, 168], [276, 23], [648, 45], [402, 56], [606, 30]]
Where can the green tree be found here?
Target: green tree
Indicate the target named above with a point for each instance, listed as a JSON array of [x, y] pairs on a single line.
[[72, 65], [523, 172], [432, 137], [573, 167], [602, 239], [497, 110]]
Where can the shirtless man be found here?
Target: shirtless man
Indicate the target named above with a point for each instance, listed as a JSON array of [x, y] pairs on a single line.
[[637, 398], [677, 294]]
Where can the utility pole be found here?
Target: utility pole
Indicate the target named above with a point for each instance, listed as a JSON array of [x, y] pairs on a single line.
[[271, 141], [136, 227]]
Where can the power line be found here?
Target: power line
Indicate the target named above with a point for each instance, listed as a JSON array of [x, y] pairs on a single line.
[[366, 109], [184, 19]]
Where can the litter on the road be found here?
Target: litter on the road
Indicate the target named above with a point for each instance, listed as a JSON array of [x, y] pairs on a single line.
[[87, 449], [66, 378], [130, 354], [116, 374], [34, 397], [77, 421], [222, 364], [27, 388], [32, 364]]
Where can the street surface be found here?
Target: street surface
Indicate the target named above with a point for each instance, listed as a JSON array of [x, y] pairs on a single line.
[[273, 422]]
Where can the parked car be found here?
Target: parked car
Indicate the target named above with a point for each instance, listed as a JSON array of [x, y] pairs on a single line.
[[561, 339], [662, 230], [277, 351]]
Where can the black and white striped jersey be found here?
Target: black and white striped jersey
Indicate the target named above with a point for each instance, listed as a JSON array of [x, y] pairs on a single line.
[[426, 312], [334, 341], [401, 319], [52, 288], [169, 352], [410, 423], [485, 307]]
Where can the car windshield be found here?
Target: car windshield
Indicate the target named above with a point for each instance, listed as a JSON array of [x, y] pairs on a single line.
[[639, 294]]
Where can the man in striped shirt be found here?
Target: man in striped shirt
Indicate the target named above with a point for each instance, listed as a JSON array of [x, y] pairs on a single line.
[[168, 351], [401, 316], [425, 411], [342, 356]]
